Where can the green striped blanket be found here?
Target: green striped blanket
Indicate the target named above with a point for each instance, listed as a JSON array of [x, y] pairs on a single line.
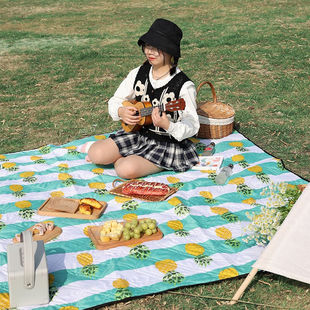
[[203, 223]]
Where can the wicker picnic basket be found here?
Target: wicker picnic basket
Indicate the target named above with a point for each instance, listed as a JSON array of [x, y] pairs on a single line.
[[216, 118]]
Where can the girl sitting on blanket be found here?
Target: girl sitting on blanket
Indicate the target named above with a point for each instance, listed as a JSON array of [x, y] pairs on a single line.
[[163, 144]]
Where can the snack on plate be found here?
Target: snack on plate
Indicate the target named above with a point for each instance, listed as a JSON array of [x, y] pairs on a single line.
[[85, 209], [111, 230], [39, 229], [92, 202], [17, 237], [145, 188], [137, 228], [87, 204], [49, 226]]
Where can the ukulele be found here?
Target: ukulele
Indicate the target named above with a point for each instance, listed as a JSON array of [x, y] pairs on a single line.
[[145, 110]]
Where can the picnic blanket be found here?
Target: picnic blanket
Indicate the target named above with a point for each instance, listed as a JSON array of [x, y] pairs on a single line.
[[202, 223]]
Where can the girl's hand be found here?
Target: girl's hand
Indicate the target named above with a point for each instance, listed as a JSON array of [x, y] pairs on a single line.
[[128, 115], [160, 121]]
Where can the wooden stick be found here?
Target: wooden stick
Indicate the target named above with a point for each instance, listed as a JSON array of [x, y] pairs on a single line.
[[227, 300], [243, 286]]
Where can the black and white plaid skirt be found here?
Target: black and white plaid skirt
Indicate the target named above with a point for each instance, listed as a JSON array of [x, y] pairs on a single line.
[[165, 153]]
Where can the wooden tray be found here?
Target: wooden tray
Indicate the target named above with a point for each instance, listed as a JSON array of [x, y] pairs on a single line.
[[47, 209], [118, 191], [48, 236], [94, 234]]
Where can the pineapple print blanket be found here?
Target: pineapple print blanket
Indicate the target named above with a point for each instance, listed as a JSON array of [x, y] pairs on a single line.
[[203, 223]]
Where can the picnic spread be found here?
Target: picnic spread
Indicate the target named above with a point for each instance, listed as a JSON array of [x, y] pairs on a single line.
[[192, 232]]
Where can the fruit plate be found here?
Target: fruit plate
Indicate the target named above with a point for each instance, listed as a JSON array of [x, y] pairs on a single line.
[[52, 205], [48, 235], [118, 192], [94, 234]]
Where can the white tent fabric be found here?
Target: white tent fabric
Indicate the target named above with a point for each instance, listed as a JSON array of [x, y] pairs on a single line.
[[288, 253]]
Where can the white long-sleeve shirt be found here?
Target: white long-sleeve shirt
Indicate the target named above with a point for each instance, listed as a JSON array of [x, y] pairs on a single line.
[[187, 127]]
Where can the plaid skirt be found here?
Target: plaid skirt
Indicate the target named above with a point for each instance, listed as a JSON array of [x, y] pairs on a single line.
[[164, 153]]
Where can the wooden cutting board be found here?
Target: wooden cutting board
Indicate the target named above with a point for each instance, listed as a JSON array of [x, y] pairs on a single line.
[[56, 207], [94, 234], [48, 235]]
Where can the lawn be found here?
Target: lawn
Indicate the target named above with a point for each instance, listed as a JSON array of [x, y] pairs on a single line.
[[60, 62]]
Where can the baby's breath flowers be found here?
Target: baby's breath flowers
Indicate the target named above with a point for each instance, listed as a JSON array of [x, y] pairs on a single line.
[[263, 226]]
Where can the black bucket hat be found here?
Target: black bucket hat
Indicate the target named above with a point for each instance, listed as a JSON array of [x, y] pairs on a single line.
[[164, 35]]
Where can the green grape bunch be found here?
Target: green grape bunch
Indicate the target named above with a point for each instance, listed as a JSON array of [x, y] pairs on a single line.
[[138, 228]]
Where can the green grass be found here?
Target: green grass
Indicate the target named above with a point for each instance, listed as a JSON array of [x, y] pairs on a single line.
[[60, 61]]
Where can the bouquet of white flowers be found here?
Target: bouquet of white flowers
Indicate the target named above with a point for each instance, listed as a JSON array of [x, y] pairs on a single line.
[[263, 226]]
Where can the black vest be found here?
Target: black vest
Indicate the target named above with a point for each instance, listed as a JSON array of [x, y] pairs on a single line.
[[144, 91]]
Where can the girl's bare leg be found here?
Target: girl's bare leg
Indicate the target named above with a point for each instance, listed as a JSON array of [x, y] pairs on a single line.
[[134, 166], [104, 152]]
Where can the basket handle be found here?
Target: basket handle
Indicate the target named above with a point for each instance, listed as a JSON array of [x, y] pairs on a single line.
[[212, 89], [115, 181]]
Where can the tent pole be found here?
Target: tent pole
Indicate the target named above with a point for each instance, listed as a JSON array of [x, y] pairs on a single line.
[[243, 286]]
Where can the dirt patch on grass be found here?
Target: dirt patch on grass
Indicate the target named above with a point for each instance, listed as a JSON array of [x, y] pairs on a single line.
[[259, 68], [36, 44], [13, 62], [67, 25], [73, 18], [106, 41], [27, 10]]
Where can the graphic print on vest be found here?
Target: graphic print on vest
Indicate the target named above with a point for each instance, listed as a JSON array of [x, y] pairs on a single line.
[[159, 97]]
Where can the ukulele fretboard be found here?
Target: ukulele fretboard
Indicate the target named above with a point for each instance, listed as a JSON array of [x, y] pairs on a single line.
[[146, 111]]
